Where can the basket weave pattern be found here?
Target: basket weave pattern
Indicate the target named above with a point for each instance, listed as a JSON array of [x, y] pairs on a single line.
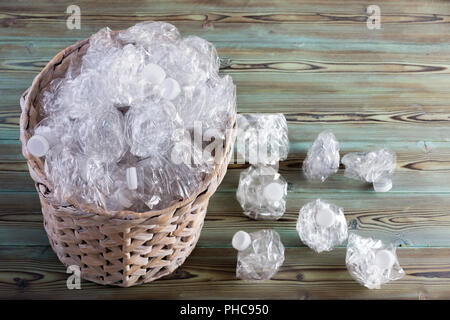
[[125, 248]]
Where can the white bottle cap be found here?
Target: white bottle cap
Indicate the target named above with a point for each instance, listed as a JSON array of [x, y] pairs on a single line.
[[84, 170], [170, 88], [241, 240], [382, 185], [273, 192], [384, 259], [325, 217], [154, 73], [38, 145], [131, 178]]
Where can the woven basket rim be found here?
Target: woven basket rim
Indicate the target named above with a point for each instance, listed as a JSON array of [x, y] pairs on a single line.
[[25, 134]]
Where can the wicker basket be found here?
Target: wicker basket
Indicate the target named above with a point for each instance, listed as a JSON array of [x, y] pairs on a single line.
[[126, 248]]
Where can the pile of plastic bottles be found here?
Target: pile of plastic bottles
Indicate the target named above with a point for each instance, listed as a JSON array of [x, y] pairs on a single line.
[[321, 225], [263, 141], [117, 130]]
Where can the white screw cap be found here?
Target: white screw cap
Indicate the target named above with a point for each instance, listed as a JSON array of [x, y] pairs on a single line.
[[382, 185], [241, 240], [325, 217], [273, 192], [154, 73], [131, 178], [83, 170], [384, 259], [38, 145], [170, 88]]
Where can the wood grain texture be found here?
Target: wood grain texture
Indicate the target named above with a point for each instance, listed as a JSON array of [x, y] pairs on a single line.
[[316, 62], [210, 273]]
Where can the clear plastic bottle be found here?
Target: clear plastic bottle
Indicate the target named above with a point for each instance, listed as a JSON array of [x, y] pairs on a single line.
[[260, 254], [128, 186], [372, 263], [48, 133], [376, 167], [164, 182], [262, 138], [101, 135], [323, 157], [150, 128], [68, 173], [262, 193], [321, 225]]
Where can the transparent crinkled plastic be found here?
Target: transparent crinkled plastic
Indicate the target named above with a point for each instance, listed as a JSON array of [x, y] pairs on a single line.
[[372, 263], [193, 155], [375, 167], [78, 177], [163, 183], [149, 33], [101, 135], [323, 157], [127, 188], [150, 128], [196, 103], [262, 139], [262, 193], [99, 181], [48, 133], [113, 128], [260, 254], [66, 170], [321, 225]]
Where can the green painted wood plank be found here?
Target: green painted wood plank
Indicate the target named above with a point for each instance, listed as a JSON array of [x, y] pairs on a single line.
[[319, 6], [309, 92], [11, 151], [309, 37], [33, 52], [299, 39], [414, 220], [270, 66], [35, 273]]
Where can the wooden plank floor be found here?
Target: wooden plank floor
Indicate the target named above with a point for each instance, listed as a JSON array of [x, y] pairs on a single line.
[[318, 63]]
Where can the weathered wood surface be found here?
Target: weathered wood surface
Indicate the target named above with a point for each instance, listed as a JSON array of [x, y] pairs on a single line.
[[210, 273], [318, 63]]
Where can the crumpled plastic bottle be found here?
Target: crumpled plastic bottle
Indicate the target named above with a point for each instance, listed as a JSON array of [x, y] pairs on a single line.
[[48, 133], [321, 225], [149, 33], [164, 183], [78, 177], [196, 104], [260, 254], [262, 193], [372, 263], [323, 157], [374, 167], [66, 171], [101, 136], [262, 139], [150, 128], [127, 188]]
